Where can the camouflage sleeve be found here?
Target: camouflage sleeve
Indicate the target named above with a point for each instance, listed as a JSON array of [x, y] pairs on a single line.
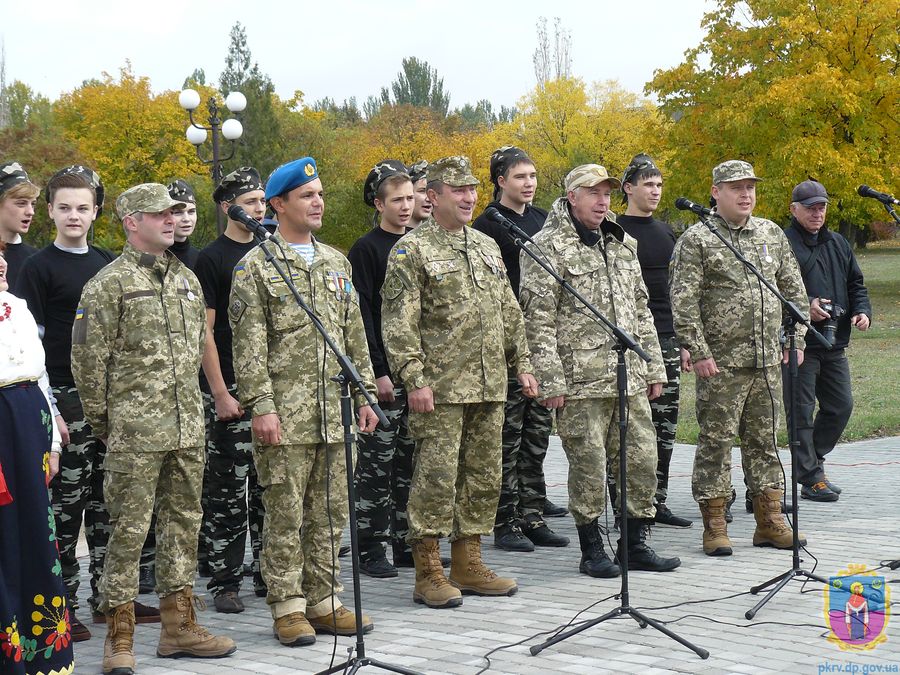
[[93, 336], [250, 344], [400, 312], [646, 335], [518, 356], [790, 282], [357, 347], [685, 281], [539, 294]]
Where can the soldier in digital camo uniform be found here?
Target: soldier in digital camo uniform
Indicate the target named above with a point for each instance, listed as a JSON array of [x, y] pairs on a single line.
[[729, 323], [451, 326], [576, 363], [136, 347], [283, 370]]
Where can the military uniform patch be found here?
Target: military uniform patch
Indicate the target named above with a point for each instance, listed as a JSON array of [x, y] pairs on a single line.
[[79, 330]]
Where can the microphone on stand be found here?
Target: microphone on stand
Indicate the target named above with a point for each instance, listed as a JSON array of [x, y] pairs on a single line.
[[237, 213]]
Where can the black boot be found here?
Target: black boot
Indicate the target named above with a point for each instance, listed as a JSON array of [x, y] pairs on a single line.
[[641, 556], [540, 534], [728, 517], [147, 579], [594, 561]]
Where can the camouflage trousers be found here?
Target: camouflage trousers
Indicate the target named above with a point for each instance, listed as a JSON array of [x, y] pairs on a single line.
[[664, 410], [742, 401], [382, 478], [229, 480], [526, 436], [456, 470], [589, 432], [132, 483], [76, 493], [305, 497]]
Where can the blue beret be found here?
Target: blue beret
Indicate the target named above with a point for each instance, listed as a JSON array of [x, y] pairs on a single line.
[[288, 176]]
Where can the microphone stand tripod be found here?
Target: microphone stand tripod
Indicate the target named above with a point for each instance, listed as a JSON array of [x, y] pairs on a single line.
[[624, 342], [794, 317], [347, 377]]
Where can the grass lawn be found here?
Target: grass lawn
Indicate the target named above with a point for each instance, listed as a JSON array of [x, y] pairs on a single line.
[[874, 359]]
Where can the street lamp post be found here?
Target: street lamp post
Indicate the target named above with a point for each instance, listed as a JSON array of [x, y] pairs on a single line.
[[230, 129]]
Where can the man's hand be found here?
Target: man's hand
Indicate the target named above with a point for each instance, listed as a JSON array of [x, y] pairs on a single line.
[[228, 408], [53, 464], [554, 402], [785, 355], [529, 384], [686, 364], [816, 313], [366, 419], [385, 389], [706, 368], [64, 428], [654, 390], [421, 400], [861, 321], [267, 429]]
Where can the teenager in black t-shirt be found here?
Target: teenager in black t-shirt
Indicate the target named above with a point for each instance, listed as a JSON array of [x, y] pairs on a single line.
[[18, 195], [185, 222]]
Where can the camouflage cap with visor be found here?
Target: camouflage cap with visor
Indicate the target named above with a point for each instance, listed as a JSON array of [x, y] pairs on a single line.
[[146, 198], [589, 175], [455, 171], [733, 170]]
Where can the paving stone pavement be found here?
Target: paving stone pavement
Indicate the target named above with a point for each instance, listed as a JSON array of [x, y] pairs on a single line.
[[787, 635]]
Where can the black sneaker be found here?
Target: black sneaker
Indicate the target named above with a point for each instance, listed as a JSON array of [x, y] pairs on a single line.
[[664, 516], [819, 492], [260, 589], [510, 538], [228, 602], [379, 568], [551, 510], [541, 535]]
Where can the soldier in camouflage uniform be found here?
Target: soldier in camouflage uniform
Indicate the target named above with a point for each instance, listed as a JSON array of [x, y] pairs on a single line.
[[729, 323], [283, 369], [575, 360], [136, 347], [451, 327]]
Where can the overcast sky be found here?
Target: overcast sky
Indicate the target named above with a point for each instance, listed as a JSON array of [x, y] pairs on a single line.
[[340, 48]]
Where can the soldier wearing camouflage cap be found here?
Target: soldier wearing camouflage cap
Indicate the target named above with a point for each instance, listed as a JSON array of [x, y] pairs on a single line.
[[422, 210], [451, 327], [729, 324], [136, 347], [18, 196], [576, 364], [185, 222]]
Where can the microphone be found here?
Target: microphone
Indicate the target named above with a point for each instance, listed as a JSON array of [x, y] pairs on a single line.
[[683, 204], [883, 197], [237, 213], [493, 214]]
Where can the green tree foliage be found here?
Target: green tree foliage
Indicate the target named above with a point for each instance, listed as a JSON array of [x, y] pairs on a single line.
[[26, 107], [418, 85]]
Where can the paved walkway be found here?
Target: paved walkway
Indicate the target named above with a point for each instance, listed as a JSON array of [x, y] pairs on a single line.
[[787, 636]]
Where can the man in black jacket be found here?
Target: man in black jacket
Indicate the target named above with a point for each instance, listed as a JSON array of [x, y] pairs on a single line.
[[838, 300]]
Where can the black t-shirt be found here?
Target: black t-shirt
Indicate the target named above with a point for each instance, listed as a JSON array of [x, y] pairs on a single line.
[[656, 242], [214, 267], [369, 256], [530, 222], [51, 282], [16, 255], [186, 253]]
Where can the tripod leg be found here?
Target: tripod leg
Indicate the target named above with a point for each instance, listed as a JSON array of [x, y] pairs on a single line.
[[785, 578], [699, 651], [756, 589], [537, 649]]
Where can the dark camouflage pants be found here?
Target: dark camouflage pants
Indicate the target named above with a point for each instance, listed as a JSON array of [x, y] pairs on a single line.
[[229, 478], [76, 493], [382, 477], [526, 435], [744, 401], [664, 410]]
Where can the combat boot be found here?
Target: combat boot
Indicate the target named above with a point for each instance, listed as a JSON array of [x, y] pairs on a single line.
[[118, 650], [293, 630], [469, 573], [432, 588], [640, 555], [181, 635], [771, 527], [594, 561], [715, 530]]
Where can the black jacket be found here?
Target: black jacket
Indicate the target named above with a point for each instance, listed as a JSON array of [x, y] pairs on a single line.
[[830, 270]]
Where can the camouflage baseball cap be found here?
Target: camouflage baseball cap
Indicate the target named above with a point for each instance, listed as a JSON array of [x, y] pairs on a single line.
[[417, 170], [455, 171], [240, 181], [87, 174], [732, 170], [384, 169], [589, 175], [182, 191], [145, 198], [12, 174]]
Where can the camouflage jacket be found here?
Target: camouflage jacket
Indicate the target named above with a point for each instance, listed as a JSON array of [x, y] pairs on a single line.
[[719, 308], [281, 363], [136, 347], [449, 317], [573, 353]]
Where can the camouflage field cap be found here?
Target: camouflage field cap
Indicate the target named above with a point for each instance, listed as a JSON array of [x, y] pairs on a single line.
[[146, 198], [182, 191], [12, 174], [455, 171], [732, 170], [291, 175], [417, 170], [87, 174], [384, 169], [503, 158], [589, 175], [240, 181]]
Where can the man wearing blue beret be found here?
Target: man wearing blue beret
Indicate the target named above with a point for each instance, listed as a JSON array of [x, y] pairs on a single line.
[[283, 370]]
